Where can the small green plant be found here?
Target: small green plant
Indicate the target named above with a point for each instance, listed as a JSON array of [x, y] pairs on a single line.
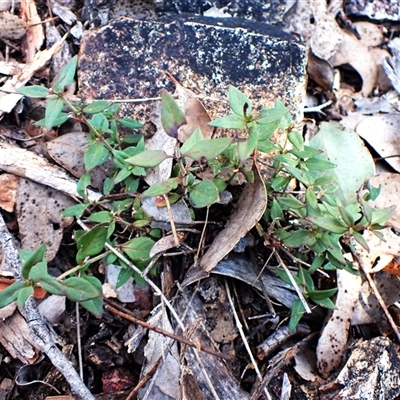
[[306, 217]]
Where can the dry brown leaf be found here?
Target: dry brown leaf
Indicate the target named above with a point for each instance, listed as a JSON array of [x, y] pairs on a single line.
[[250, 208], [332, 343], [39, 216], [12, 27], [320, 71], [196, 117], [34, 34], [8, 191], [68, 149], [352, 51], [389, 196], [382, 133]]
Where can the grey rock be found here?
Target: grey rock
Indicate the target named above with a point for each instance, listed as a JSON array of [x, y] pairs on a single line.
[[128, 59]]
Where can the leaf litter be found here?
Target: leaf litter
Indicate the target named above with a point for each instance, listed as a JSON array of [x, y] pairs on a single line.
[[331, 47]]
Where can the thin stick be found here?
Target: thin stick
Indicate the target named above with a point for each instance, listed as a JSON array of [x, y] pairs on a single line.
[[171, 220], [377, 294], [154, 328], [78, 339], [243, 336], [293, 282]]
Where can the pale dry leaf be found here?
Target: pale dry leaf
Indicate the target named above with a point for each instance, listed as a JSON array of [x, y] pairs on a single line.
[[63, 12], [26, 164], [39, 216], [166, 243], [381, 131], [327, 36], [332, 343], [390, 193], [5, 5], [166, 381], [34, 35], [160, 140], [160, 217], [10, 67], [371, 34], [12, 27], [9, 100], [250, 208], [385, 249], [352, 51], [8, 191], [382, 81], [392, 65]]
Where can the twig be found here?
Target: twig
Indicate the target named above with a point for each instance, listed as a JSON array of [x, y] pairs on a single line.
[[38, 330], [171, 220], [243, 336], [377, 294], [131, 318], [293, 282]]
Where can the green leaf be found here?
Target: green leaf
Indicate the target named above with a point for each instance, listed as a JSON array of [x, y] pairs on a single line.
[[195, 137], [266, 146], [269, 115], [239, 102], [300, 237], [67, 75], [100, 122], [317, 263], [62, 117], [348, 217], [80, 289], [101, 216], [23, 295], [331, 224], [246, 148], [76, 210], [381, 216], [53, 109], [124, 275], [232, 121], [34, 258], [160, 188], [10, 293], [49, 284], [290, 202], [148, 158], [96, 154], [321, 294], [279, 182], [317, 164], [354, 163], [360, 239], [138, 249], [296, 139], [130, 123], [34, 91], [203, 194], [208, 149], [95, 306], [276, 210], [311, 198], [83, 183], [96, 107], [172, 117], [296, 314], [91, 243], [326, 303], [372, 192]]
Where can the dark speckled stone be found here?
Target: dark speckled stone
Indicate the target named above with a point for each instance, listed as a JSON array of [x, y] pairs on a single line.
[[127, 59]]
